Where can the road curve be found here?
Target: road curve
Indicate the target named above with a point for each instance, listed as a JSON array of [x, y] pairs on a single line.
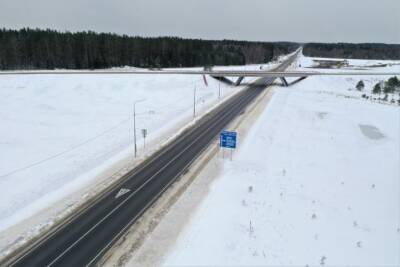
[[87, 236]]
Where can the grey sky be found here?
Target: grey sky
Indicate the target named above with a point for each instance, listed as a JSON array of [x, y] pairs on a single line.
[[263, 20]]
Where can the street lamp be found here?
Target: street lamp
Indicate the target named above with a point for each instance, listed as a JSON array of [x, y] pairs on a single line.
[[219, 90], [194, 102], [134, 123]]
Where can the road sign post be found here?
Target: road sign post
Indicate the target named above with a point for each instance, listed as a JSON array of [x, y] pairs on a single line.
[[134, 123], [144, 134], [227, 140]]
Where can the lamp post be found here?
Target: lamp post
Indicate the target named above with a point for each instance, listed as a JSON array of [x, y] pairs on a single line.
[[219, 90], [194, 102], [134, 123]]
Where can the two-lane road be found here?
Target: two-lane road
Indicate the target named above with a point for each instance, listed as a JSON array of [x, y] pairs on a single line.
[[84, 239]]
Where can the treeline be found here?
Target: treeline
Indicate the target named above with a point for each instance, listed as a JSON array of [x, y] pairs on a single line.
[[352, 51], [391, 86], [49, 49]]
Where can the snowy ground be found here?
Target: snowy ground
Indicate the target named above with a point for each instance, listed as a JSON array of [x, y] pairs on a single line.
[[315, 182], [59, 133]]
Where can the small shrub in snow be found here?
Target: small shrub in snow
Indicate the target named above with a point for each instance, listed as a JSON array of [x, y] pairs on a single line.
[[251, 229], [323, 259], [250, 189]]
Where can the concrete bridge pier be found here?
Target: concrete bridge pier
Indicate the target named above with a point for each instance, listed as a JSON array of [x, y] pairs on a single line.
[[239, 80], [283, 80]]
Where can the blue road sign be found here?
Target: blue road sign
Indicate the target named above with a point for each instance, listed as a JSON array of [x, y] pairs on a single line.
[[227, 139]]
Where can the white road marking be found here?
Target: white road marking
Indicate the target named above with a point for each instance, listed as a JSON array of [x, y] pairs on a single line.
[[122, 192]]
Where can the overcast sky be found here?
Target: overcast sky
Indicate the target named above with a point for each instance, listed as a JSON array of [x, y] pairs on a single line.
[[262, 20]]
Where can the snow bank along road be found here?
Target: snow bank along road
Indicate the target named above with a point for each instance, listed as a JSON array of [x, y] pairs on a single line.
[[88, 235]]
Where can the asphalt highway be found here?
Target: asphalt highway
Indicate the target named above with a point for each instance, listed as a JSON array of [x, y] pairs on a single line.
[[90, 233]]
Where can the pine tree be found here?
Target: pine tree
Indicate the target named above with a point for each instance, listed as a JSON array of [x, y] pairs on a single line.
[[360, 85], [394, 82], [377, 89], [388, 88]]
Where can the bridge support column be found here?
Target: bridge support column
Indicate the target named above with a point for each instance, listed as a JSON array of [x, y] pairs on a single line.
[[285, 83], [239, 80], [205, 80], [219, 78]]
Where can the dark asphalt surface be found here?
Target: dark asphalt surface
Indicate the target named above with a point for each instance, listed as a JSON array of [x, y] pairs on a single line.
[[87, 237]]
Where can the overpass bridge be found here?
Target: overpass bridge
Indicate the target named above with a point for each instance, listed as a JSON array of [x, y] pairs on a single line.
[[218, 74]]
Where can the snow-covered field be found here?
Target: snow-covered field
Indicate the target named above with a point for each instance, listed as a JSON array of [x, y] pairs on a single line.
[[59, 133], [315, 182]]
